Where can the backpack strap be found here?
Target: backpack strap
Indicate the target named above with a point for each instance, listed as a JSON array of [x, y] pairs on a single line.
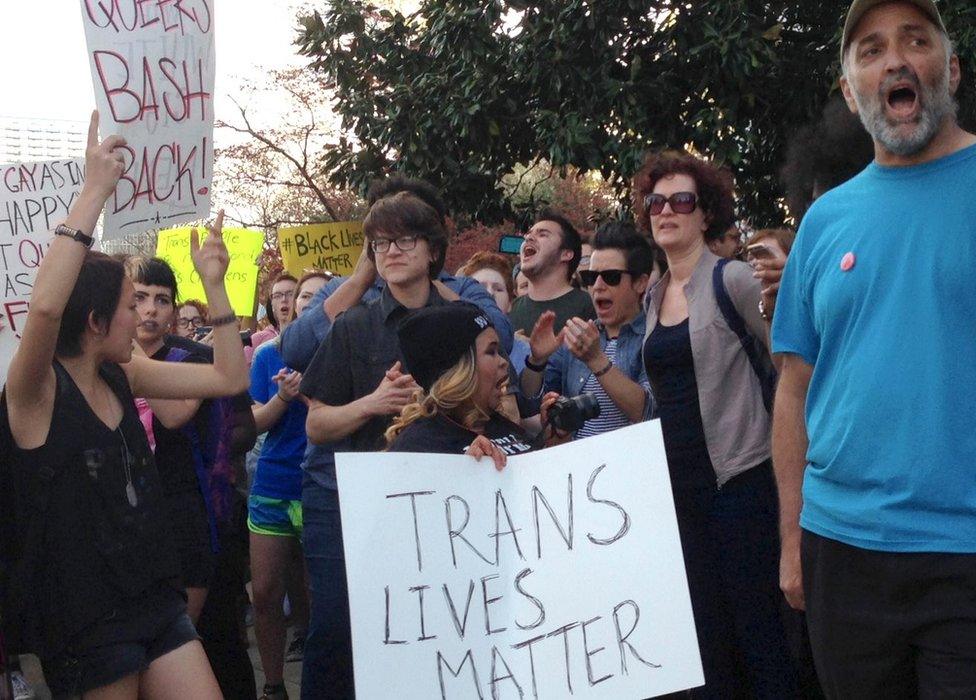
[[737, 325]]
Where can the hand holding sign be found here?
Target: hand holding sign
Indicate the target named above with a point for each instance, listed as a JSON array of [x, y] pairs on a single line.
[[483, 447], [103, 161], [210, 259]]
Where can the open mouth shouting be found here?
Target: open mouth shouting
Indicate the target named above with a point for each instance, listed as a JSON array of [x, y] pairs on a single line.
[[529, 250], [902, 100]]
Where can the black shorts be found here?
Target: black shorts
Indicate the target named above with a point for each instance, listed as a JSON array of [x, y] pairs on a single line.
[[124, 642], [191, 530]]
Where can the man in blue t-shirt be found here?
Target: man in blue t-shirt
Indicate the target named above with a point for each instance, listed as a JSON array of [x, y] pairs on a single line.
[[874, 412]]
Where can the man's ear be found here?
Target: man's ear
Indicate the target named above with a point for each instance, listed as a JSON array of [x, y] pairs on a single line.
[[565, 255], [955, 74], [845, 88]]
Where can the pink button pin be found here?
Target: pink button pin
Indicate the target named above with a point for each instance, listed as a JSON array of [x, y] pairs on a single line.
[[847, 262]]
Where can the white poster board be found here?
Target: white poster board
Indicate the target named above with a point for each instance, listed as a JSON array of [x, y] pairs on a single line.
[[34, 199], [152, 66], [560, 575]]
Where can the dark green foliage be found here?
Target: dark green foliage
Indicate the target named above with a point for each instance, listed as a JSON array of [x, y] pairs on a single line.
[[462, 91]]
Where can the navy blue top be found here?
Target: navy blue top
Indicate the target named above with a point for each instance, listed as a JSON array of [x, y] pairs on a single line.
[[671, 372]]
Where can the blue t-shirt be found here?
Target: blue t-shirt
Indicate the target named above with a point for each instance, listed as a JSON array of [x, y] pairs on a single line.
[[891, 407], [279, 473]]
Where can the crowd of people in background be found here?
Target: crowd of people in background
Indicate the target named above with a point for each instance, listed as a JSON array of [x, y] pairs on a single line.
[[206, 452]]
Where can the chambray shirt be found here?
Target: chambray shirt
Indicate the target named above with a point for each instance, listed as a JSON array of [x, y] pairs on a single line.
[[567, 374]]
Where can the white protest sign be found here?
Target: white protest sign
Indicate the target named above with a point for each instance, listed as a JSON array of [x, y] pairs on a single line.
[[34, 199], [152, 65], [561, 575]]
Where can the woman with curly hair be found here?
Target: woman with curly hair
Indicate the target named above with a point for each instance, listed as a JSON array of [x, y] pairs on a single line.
[[462, 378], [707, 360]]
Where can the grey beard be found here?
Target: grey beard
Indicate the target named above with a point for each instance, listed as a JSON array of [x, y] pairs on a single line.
[[937, 104]]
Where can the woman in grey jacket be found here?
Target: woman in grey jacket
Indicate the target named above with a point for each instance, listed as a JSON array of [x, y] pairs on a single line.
[[716, 426]]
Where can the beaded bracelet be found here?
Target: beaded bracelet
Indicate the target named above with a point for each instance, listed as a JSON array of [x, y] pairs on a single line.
[[224, 320]]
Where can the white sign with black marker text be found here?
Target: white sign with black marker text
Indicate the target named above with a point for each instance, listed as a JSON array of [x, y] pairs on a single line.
[[560, 575]]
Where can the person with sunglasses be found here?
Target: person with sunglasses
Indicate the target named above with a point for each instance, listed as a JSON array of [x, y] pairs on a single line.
[[602, 358], [716, 426]]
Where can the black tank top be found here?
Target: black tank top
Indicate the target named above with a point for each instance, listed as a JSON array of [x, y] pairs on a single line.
[[670, 369], [104, 538]]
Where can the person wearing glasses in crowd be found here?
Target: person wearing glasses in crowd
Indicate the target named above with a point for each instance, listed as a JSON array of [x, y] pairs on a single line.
[[601, 358], [328, 622], [100, 596], [190, 315], [275, 502], [280, 306], [716, 426], [357, 384]]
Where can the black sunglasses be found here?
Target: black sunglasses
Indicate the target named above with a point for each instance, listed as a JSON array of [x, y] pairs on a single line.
[[611, 277], [681, 202]]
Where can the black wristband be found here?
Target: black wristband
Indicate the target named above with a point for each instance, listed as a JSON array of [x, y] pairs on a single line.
[[603, 371], [224, 320], [534, 367]]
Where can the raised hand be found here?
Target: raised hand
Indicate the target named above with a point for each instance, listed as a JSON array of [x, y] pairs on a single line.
[[582, 338], [104, 162], [544, 340], [210, 259]]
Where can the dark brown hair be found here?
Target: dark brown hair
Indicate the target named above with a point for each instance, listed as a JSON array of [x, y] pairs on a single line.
[[713, 182], [96, 295], [405, 214], [485, 260]]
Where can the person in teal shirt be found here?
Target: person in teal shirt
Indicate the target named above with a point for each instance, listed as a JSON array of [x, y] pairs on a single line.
[[877, 395]]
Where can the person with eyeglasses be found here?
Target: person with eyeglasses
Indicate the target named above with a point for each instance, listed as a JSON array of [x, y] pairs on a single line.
[[716, 425], [602, 358], [190, 315]]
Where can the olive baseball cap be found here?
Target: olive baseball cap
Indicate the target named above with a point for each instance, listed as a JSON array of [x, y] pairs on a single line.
[[861, 7]]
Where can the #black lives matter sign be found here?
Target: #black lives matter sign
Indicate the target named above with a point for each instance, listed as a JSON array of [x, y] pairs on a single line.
[[561, 575], [34, 199], [152, 64]]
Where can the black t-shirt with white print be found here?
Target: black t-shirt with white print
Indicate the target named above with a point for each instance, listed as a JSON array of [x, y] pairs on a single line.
[[439, 434]]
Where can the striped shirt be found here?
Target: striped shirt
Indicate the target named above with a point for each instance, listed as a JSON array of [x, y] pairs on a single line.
[[611, 417]]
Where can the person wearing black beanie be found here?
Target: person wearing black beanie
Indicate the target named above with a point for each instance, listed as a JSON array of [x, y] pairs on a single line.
[[463, 377]]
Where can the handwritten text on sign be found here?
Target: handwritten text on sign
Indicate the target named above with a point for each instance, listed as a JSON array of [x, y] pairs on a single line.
[[334, 247], [244, 247], [152, 65], [561, 575], [34, 199]]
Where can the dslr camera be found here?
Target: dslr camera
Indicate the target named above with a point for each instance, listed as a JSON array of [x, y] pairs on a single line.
[[569, 414]]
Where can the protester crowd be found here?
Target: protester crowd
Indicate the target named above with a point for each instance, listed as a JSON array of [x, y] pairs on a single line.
[[150, 407]]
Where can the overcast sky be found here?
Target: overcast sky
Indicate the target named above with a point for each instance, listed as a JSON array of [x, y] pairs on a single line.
[[45, 71]]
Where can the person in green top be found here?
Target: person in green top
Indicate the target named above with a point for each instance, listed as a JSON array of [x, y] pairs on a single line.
[[549, 257]]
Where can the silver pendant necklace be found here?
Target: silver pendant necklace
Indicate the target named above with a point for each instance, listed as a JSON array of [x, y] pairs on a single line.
[[130, 489]]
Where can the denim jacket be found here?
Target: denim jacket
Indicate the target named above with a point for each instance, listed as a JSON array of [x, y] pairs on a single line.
[[567, 375]]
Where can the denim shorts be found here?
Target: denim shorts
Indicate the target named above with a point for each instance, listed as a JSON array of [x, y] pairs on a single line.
[[124, 642]]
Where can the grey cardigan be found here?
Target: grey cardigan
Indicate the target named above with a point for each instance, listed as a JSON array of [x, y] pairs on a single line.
[[737, 426]]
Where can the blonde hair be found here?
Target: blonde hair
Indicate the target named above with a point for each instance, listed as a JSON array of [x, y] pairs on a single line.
[[452, 394]]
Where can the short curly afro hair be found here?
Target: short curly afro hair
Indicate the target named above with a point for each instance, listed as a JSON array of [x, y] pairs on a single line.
[[714, 183]]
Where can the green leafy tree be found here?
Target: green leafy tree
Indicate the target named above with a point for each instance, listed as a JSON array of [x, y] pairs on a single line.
[[464, 92]]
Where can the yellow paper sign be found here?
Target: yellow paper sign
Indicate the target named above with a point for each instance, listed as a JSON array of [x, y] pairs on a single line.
[[334, 247], [244, 246]]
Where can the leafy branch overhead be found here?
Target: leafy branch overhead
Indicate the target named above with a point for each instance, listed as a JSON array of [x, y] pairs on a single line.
[[464, 92]]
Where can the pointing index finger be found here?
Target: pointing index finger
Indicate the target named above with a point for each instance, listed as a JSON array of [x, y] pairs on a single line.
[[93, 129]]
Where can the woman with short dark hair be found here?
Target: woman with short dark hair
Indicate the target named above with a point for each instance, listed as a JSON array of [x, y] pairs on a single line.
[[710, 393], [97, 593]]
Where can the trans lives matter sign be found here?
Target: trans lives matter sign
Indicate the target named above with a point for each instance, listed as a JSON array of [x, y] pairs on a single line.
[[34, 199], [561, 575], [152, 65], [334, 247]]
